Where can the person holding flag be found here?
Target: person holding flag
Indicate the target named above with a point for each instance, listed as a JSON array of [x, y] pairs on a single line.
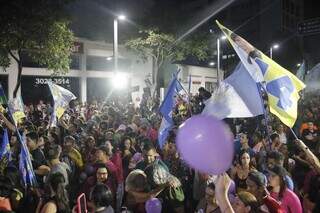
[[166, 109], [25, 165]]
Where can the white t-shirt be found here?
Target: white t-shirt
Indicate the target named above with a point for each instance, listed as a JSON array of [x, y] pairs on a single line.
[[283, 138]]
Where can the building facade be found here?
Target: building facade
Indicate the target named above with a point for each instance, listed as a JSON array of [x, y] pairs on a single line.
[[90, 75]]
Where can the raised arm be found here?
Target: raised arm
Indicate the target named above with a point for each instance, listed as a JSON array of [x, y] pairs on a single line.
[[9, 125], [312, 159]]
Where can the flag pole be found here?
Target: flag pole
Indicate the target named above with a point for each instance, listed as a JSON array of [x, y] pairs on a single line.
[[260, 86]]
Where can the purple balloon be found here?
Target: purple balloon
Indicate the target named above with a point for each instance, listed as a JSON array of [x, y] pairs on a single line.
[[153, 205], [205, 143]]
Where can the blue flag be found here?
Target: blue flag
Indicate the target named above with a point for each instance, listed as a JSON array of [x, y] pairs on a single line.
[[169, 99], [5, 152], [236, 97], [166, 109], [25, 165], [301, 72], [3, 99]]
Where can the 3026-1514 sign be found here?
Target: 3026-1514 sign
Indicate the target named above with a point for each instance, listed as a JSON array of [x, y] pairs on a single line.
[[54, 80]]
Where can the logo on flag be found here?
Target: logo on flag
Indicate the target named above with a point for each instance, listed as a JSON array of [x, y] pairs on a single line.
[[61, 98], [282, 86]]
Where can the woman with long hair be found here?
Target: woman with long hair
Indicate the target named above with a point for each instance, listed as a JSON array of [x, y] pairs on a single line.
[[241, 171], [208, 204], [57, 199], [288, 199], [102, 199]]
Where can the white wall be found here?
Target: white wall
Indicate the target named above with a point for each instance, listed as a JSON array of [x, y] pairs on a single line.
[[199, 75]]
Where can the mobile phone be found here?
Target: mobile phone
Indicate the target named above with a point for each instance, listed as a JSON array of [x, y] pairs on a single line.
[[82, 204]]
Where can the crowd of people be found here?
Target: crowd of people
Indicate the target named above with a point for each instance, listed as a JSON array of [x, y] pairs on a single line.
[[109, 152]]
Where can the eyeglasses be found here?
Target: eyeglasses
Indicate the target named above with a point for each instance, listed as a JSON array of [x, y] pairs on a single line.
[[102, 173]]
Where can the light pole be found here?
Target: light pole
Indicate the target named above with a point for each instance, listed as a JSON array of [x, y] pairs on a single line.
[[115, 40], [275, 46], [218, 57]]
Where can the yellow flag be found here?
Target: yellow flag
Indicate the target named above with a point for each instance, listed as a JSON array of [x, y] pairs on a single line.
[[281, 85]]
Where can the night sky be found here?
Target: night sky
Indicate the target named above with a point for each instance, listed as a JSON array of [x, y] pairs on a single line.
[[93, 19]]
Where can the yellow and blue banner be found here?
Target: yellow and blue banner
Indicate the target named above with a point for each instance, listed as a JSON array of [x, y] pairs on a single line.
[[281, 85], [61, 98], [16, 108]]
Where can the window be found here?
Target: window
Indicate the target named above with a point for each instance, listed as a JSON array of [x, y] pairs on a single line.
[[210, 86], [99, 63], [75, 62]]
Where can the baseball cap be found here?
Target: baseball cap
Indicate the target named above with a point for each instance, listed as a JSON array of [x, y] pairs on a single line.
[[257, 177]]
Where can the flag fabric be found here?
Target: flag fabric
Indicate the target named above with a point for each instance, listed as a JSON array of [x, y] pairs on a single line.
[[301, 71], [282, 87], [166, 109], [164, 130], [16, 108], [243, 49], [5, 152], [169, 99], [25, 165], [236, 97], [61, 98], [2, 109], [3, 99], [189, 84], [312, 79]]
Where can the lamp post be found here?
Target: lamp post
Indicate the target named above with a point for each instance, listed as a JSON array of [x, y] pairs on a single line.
[[218, 56], [275, 46], [115, 40]]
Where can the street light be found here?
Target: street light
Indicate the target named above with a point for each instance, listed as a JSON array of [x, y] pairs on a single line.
[[211, 63], [122, 17], [218, 56], [120, 80], [298, 65], [275, 46], [115, 40]]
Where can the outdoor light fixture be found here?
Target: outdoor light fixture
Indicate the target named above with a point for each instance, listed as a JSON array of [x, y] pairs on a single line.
[[120, 80], [122, 17], [298, 65], [211, 63], [223, 37], [109, 58], [275, 46]]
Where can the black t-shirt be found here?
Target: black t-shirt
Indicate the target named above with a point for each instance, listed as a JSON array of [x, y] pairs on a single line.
[[307, 135], [38, 158]]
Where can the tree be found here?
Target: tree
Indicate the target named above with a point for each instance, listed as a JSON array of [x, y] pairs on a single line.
[[162, 47], [38, 28]]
